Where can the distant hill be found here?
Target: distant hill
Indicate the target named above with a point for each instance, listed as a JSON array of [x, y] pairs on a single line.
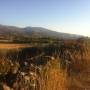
[[11, 33]]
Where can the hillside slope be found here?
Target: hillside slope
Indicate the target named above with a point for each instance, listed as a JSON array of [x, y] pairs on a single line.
[[11, 33]]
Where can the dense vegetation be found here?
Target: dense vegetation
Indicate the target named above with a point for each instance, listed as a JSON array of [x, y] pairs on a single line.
[[46, 66]]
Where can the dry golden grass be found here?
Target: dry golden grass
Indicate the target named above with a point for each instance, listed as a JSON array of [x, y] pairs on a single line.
[[54, 78], [13, 46], [81, 80], [57, 79]]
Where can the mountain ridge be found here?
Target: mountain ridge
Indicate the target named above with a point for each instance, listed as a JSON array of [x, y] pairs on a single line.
[[10, 32]]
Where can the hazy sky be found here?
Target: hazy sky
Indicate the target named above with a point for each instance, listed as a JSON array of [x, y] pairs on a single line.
[[70, 16]]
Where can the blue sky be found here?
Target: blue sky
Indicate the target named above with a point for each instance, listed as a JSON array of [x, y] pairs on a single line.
[[70, 16]]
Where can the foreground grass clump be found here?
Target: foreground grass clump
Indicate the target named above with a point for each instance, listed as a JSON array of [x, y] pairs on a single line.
[[5, 66], [53, 78]]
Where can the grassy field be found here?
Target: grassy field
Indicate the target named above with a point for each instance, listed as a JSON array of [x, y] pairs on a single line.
[[13, 46], [42, 68]]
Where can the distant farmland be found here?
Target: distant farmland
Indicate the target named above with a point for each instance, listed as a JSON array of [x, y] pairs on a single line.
[[13, 46]]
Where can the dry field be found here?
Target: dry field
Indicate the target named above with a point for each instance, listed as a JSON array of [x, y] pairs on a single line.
[[49, 76], [13, 46]]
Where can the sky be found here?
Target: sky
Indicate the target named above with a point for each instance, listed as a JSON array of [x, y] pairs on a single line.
[[69, 16]]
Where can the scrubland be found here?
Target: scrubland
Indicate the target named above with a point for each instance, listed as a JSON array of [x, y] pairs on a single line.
[[56, 66]]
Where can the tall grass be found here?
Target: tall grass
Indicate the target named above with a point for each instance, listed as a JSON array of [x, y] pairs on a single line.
[[52, 77]]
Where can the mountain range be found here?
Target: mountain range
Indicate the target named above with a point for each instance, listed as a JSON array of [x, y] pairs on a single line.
[[12, 32]]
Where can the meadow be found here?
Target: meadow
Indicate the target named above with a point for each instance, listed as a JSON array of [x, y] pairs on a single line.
[[13, 46], [63, 65]]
